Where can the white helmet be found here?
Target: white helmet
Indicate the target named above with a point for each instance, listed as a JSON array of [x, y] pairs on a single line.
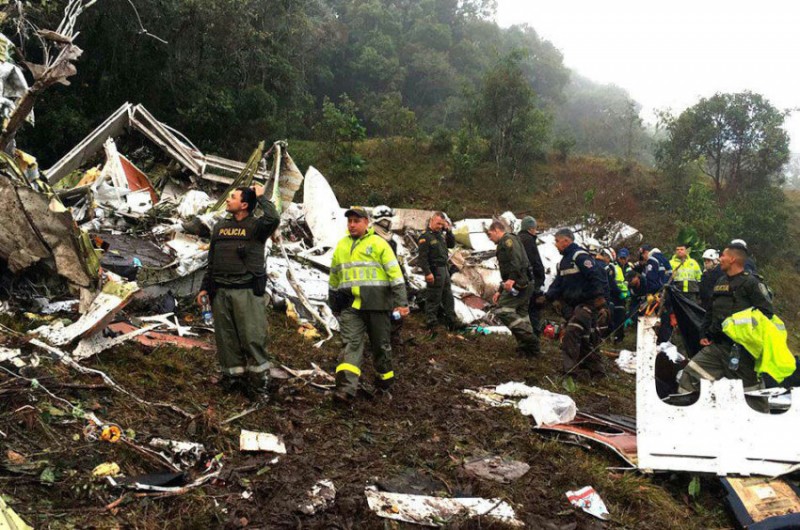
[[739, 242], [382, 212], [711, 254]]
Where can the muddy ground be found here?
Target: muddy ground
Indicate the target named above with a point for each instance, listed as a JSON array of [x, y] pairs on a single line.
[[426, 430]]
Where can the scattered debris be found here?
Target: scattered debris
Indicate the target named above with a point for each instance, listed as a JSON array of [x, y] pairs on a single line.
[[719, 433], [627, 361], [437, 511], [107, 469], [759, 503], [496, 468], [187, 454], [319, 498], [261, 441], [546, 407], [9, 518], [589, 501], [618, 433]]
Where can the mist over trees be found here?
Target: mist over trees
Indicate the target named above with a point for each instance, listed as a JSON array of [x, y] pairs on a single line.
[[237, 71]]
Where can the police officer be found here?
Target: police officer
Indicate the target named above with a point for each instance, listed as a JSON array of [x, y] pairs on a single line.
[[432, 259], [735, 291], [686, 272], [621, 271], [366, 288], [527, 236], [516, 289], [235, 283], [579, 284]]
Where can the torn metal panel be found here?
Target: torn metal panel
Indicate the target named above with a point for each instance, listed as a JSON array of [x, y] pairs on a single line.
[[114, 296], [94, 344], [261, 441], [153, 339], [620, 437], [36, 228], [718, 434], [324, 216], [762, 504], [437, 511], [410, 219], [79, 155]]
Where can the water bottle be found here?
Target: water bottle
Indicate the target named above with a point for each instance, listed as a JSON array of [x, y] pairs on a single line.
[[396, 315], [208, 316], [733, 363], [514, 291]]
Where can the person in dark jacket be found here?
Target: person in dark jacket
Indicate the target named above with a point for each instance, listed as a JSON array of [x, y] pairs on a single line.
[[432, 258], [513, 297], [580, 286], [235, 267], [735, 291], [712, 272], [530, 242], [605, 260]]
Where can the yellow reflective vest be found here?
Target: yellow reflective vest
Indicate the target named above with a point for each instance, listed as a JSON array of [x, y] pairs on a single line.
[[366, 274], [765, 339], [619, 278], [686, 275]]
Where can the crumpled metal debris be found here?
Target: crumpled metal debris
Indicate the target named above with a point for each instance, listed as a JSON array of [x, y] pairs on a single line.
[[589, 501], [321, 497], [437, 511]]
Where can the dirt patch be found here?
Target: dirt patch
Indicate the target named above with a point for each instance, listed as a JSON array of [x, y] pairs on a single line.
[[428, 427]]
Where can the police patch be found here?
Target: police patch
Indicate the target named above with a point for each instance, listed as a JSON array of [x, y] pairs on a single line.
[[509, 243], [764, 291], [588, 264], [368, 250]]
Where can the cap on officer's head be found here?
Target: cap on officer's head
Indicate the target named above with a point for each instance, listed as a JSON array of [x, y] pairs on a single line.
[[528, 223], [623, 253], [646, 248], [357, 211]]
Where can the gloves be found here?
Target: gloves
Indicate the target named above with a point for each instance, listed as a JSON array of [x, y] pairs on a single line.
[[599, 302]]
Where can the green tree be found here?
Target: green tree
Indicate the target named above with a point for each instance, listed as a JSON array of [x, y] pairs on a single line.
[[339, 130], [506, 110], [737, 140], [393, 119]]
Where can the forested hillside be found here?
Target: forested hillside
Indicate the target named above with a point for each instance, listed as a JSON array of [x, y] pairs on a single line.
[[232, 72]]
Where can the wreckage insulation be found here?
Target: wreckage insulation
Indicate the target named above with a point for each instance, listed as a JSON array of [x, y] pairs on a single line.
[[428, 428]]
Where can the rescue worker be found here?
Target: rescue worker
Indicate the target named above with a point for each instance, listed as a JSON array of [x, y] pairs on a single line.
[[235, 283], [366, 289], [579, 285], [750, 264], [382, 224], [516, 289], [657, 269], [604, 259], [432, 259], [621, 268], [686, 272], [711, 274], [735, 291], [527, 236]]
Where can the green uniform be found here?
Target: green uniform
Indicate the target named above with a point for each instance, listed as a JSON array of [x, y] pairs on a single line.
[[731, 295], [365, 283], [432, 259], [513, 309], [235, 265]]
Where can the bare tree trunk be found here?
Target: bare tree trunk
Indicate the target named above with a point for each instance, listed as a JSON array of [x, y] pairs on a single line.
[[18, 116]]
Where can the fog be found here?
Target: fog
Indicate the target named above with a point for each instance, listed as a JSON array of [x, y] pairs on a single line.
[[668, 55]]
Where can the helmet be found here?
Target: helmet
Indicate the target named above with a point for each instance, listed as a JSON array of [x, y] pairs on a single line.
[[711, 254], [739, 242], [610, 253], [382, 212]]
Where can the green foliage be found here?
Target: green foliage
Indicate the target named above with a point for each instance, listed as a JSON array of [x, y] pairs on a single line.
[[694, 487], [393, 119], [737, 140], [563, 146], [467, 152], [338, 131], [507, 113], [760, 217]]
